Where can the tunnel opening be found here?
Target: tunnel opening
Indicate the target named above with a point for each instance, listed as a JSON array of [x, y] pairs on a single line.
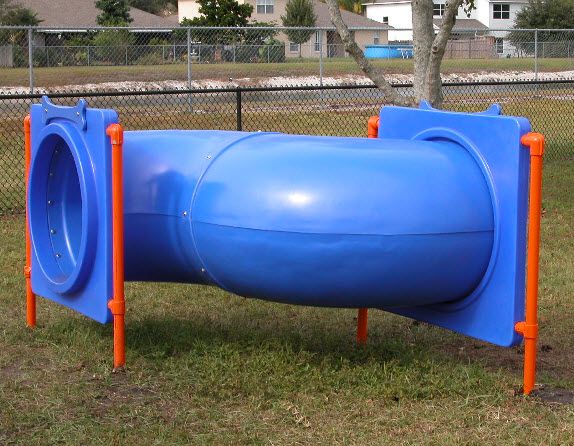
[[64, 208], [57, 203]]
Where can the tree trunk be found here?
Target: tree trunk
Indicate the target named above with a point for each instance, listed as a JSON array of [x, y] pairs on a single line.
[[428, 51], [353, 49]]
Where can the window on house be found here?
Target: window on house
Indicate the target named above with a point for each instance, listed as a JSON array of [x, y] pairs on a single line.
[[317, 41], [438, 9], [501, 11], [499, 45], [265, 6], [293, 47], [376, 37], [386, 20]]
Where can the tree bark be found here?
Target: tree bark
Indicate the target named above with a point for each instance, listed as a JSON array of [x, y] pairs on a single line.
[[377, 76], [428, 51], [433, 84]]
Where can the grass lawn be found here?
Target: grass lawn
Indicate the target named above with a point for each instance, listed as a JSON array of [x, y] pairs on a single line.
[[55, 76], [207, 367]]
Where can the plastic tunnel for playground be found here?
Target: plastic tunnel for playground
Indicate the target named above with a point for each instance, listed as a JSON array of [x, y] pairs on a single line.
[[426, 218]]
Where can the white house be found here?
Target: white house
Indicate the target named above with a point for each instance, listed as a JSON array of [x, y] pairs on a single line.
[[323, 42], [489, 15]]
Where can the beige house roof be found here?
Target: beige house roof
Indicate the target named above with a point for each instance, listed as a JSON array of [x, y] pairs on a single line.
[[461, 25], [351, 19], [83, 13]]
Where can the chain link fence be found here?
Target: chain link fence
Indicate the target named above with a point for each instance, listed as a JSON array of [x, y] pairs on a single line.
[[328, 110], [52, 59]]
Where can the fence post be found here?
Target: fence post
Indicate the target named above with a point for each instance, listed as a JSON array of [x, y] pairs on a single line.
[[536, 54], [239, 110], [31, 59], [189, 98], [321, 58], [189, 58]]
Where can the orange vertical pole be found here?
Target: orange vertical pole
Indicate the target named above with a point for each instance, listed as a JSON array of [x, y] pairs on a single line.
[[363, 315], [117, 305], [362, 325], [30, 296], [529, 328]]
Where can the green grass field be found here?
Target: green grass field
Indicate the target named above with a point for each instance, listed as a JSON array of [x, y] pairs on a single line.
[[207, 367], [56, 76]]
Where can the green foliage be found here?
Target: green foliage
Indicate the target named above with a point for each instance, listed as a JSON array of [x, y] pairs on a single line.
[[220, 13], [158, 41], [13, 15], [19, 16], [114, 13], [111, 46], [154, 6], [350, 5], [299, 13], [553, 14], [545, 14]]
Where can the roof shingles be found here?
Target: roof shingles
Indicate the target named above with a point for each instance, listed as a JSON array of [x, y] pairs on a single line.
[[83, 13]]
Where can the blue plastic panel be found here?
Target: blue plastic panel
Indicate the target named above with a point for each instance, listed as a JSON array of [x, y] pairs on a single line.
[[70, 207], [494, 307]]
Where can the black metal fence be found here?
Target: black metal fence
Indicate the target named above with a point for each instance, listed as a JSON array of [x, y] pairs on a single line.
[[333, 110]]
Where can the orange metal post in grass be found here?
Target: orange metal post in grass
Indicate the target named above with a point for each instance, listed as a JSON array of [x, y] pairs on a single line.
[[117, 305], [30, 296], [362, 325], [529, 327], [363, 315]]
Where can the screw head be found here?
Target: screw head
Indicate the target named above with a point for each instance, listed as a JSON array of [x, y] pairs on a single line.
[[52, 231], [58, 255], [185, 213], [208, 157], [202, 270], [50, 202]]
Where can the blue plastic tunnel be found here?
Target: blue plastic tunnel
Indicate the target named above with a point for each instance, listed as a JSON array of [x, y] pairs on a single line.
[[428, 220], [339, 222]]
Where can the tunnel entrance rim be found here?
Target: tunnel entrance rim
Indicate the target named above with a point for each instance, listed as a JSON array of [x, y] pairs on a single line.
[[62, 206]]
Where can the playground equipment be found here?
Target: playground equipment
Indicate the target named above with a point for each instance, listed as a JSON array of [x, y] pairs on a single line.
[[426, 218]]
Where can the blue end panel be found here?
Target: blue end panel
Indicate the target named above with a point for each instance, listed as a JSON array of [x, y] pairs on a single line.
[[69, 203], [492, 310]]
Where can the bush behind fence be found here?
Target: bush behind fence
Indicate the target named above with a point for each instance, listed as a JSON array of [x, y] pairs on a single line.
[[339, 111]]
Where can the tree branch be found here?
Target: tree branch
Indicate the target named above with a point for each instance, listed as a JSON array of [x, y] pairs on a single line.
[[423, 36], [353, 49], [433, 79]]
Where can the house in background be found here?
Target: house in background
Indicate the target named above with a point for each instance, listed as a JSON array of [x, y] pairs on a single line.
[[488, 17], [326, 42], [73, 16]]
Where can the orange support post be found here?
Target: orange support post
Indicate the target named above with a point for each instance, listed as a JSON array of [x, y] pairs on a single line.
[[362, 325], [529, 327], [373, 127], [117, 305], [363, 315], [30, 296]]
